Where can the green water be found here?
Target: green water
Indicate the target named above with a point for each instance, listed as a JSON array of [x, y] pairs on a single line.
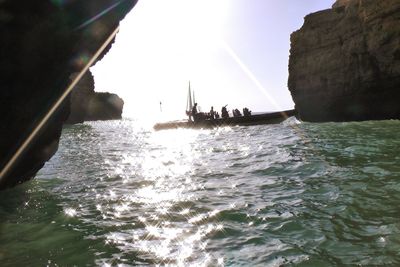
[[292, 194]]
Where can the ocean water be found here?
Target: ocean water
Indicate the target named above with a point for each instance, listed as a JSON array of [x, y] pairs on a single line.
[[293, 194]]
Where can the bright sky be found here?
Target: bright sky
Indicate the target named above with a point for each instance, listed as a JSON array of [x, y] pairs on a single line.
[[234, 52]]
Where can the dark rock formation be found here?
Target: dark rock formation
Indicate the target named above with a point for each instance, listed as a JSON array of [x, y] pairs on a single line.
[[104, 106], [345, 62], [80, 97], [87, 105], [42, 43]]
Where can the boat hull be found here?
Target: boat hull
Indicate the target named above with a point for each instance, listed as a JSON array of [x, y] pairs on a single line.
[[258, 119]]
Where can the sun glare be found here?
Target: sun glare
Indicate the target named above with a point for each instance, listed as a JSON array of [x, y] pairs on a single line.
[[161, 46]]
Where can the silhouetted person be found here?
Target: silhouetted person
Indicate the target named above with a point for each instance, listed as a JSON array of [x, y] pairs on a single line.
[[224, 112], [216, 115], [236, 113], [246, 112], [194, 109], [194, 112], [212, 113]]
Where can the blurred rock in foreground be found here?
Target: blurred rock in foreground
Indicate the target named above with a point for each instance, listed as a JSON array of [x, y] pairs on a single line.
[[42, 43]]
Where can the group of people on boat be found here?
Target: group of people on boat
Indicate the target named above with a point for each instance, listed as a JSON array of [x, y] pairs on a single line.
[[199, 116], [237, 113]]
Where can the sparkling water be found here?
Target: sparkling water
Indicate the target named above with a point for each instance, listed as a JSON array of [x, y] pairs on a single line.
[[292, 194]]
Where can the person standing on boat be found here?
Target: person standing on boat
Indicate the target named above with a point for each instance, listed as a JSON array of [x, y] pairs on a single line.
[[236, 113], [224, 112], [246, 112], [194, 111], [212, 113]]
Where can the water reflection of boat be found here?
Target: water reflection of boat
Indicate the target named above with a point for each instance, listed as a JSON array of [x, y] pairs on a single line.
[[256, 119]]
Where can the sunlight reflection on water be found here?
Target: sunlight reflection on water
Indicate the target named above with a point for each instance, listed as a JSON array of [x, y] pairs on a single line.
[[257, 196], [172, 233]]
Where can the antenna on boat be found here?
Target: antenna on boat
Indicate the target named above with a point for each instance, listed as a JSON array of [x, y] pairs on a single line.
[[189, 103], [190, 99]]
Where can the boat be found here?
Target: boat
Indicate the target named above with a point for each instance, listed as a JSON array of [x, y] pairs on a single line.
[[206, 122]]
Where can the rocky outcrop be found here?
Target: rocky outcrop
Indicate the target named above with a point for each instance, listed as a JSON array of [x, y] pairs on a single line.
[[80, 97], [88, 105], [345, 62], [104, 106], [42, 43]]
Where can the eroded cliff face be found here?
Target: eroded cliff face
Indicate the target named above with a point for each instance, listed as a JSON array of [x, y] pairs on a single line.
[[345, 62], [42, 43], [88, 105]]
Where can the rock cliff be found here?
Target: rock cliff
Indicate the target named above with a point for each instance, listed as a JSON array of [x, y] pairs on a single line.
[[42, 43], [345, 62], [88, 105]]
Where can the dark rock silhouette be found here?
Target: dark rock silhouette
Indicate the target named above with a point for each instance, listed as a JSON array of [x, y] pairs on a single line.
[[42, 43], [345, 62], [104, 106], [88, 105], [80, 97]]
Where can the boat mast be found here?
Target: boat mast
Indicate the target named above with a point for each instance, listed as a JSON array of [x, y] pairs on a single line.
[[190, 99], [189, 104]]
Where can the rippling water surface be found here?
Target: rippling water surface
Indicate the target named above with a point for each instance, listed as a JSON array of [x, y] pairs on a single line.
[[291, 194]]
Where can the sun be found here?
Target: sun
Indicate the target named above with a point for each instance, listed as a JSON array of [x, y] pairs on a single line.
[[160, 47]]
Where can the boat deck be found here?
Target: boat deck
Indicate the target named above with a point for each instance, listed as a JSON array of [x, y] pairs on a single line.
[[257, 119]]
